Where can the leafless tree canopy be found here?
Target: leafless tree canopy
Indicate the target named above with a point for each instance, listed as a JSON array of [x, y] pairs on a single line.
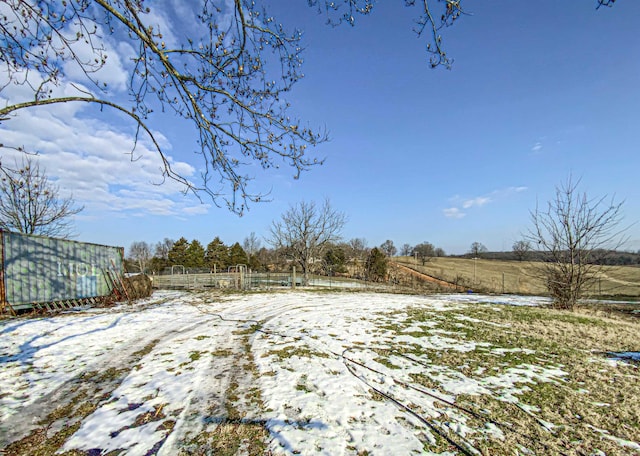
[[433, 16], [477, 249], [163, 248], [304, 231], [31, 204], [573, 231], [251, 244], [388, 248], [140, 254], [228, 78], [425, 251], [521, 249]]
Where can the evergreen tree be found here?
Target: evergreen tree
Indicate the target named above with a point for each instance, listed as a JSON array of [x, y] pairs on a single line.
[[376, 265], [195, 255], [254, 263], [261, 260], [334, 260], [217, 255], [237, 255], [178, 253]]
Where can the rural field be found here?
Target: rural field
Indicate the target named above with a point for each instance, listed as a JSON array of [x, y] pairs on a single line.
[[498, 276], [321, 372]]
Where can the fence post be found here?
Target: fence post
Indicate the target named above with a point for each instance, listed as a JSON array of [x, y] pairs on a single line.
[[293, 278]]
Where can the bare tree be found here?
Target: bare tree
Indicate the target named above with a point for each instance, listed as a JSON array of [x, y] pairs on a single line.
[[388, 248], [574, 231], [358, 248], [140, 254], [425, 251], [304, 231], [521, 249], [163, 248], [477, 249], [406, 250], [251, 244], [31, 204], [227, 78], [357, 252]]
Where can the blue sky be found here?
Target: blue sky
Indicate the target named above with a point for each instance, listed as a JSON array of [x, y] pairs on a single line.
[[538, 91]]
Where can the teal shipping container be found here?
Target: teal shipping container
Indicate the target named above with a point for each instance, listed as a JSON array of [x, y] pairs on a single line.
[[39, 270]]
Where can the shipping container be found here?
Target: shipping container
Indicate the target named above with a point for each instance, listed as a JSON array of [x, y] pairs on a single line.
[[38, 270]]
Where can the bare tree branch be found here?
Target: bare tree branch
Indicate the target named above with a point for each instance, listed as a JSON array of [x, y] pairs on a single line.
[[227, 80], [219, 80]]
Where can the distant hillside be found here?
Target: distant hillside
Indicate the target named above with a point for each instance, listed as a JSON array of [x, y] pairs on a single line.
[[611, 257]]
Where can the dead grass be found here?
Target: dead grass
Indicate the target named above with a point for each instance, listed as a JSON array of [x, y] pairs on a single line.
[[521, 277], [588, 408], [236, 430]]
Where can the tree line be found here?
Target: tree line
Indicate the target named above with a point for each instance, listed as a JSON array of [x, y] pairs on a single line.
[[574, 235], [351, 258]]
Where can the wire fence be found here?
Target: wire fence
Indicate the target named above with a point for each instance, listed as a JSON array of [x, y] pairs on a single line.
[[401, 277], [245, 280]]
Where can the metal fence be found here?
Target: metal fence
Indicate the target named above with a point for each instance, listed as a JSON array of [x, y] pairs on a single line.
[[37, 270], [245, 280]]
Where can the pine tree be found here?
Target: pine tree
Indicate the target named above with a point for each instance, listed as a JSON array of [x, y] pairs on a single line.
[[334, 260], [217, 255], [178, 253], [376, 265], [237, 255], [195, 255]]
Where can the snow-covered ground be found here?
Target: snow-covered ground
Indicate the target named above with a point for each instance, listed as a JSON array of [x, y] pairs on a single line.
[[326, 367]]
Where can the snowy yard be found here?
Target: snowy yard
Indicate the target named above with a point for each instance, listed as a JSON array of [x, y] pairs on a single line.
[[320, 373]]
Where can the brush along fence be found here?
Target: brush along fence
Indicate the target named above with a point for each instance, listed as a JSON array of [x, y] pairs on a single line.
[[39, 272]]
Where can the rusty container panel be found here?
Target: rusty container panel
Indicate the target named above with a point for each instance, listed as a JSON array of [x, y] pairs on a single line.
[[40, 269]]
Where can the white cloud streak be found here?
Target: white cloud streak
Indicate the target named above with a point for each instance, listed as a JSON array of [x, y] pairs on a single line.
[[91, 160], [478, 201], [456, 212], [453, 212]]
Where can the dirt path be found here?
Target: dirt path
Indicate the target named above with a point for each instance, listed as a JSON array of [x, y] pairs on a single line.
[[427, 278]]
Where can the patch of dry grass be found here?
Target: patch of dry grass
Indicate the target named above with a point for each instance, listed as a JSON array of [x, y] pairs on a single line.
[[596, 402], [233, 427], [521, 277]]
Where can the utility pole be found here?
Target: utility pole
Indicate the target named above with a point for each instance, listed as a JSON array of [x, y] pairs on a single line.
[[474, 270]]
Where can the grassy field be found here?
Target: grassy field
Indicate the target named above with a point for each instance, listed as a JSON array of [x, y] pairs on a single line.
[[496, 276]]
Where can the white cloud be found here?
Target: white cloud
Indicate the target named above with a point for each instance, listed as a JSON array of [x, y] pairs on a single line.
[[537, 147], [112, 72], [157, 18], [478, 201], [92, 160], [88, 151], [453, 212]]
